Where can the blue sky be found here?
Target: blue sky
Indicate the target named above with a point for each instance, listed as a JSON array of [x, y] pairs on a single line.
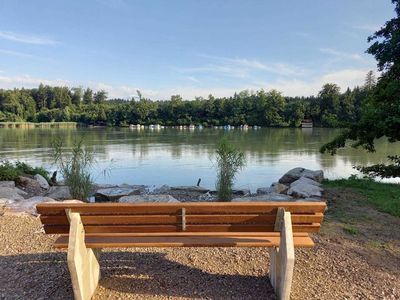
[[188, 47]]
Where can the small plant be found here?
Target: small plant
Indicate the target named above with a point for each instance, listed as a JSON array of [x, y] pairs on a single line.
[[350, 229], [229, 162], [75, 168]]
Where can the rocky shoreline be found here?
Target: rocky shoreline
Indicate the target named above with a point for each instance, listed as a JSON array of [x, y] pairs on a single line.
[[22, 196]]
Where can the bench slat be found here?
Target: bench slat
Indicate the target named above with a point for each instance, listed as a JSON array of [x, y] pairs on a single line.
[[64, 229], [175, 208], [189, 241], [171, 219]]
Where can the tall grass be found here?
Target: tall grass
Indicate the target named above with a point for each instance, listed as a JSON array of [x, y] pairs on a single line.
[[75, 168], [230, 161]]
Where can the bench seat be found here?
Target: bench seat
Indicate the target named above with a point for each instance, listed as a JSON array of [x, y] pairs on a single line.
[[87, 228], [202, 239]]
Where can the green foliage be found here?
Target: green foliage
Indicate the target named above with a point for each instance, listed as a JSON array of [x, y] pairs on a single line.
[[381, 170], [262, 108], [384, 196], [10, 171], [380, 110], [229, 162], [350, 229], [75, 168]]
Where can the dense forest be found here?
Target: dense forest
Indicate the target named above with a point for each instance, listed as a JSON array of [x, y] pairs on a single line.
[[330, 108]]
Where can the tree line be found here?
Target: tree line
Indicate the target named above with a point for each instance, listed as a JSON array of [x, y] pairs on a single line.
[[330, 108]]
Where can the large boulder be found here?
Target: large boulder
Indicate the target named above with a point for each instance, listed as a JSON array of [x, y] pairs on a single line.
[[190, 189], [10, 193], [29, 205], [147, 198], [113, 194], [266, 197], [59, 193], [296, 173], [42, 181], [9, 184], [305, 180], [305, 190]]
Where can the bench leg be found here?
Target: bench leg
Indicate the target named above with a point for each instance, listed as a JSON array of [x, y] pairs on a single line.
[[83, 264], [282, 260]]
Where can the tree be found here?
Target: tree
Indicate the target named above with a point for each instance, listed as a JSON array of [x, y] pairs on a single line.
[[370, 80], [76, 96], [88, 96], [380, 114], [100, 96]]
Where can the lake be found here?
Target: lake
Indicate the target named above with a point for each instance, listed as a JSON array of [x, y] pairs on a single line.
[[180, 157]]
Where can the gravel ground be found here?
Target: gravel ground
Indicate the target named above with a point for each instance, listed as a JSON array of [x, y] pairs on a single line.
[[365, 265]]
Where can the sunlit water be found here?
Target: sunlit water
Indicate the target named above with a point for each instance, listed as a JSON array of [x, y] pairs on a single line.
[[181, 157]]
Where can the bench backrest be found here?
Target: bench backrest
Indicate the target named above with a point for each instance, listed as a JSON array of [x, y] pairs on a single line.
[[179, 217]]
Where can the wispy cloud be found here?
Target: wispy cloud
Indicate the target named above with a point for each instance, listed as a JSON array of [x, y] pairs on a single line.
[[341, 55], [29, 81], [368, 27], [15, 53], [240, 67], [27, 39]]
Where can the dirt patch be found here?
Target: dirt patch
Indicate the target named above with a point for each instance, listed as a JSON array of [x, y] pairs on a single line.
[[363, 263]]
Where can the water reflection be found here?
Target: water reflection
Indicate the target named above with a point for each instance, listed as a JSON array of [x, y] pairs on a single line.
[[172, 156]]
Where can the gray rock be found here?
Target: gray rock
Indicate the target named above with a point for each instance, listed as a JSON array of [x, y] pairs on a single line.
[[291, 175], [241, 192], [113, 194], [20, 192], [266, 197], [147, 198], [9, 184], [10, 193], [29, 205], [276, 187], [42, 181], [305, 190], [304, 180], [59, 193], [264, 190], [189, 188], [207, 197], [296, 173], [317, 175], [162, 189], [28, 183]]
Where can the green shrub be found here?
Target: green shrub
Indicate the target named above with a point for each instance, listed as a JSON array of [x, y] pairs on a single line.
[[75, 168], [10, 171], [229, 162]]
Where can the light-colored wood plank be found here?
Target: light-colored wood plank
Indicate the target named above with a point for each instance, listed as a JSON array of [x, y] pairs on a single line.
[[82, 262]]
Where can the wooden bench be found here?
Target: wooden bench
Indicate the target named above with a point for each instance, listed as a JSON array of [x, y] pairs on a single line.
[[84, 228]]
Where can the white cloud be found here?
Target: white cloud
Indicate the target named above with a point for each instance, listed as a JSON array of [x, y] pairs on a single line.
[[15, 53], [368, 27], [29, 81], [289, 87], [342, 55], [27, 39], [241, 67]]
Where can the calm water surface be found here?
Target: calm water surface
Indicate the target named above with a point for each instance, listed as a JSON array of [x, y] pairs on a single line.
[[180, 157]]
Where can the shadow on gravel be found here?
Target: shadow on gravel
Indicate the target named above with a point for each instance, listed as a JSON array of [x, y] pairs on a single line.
[[35, 276]]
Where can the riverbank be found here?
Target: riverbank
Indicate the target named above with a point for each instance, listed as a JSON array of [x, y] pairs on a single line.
[[27, 125], [344, 264]]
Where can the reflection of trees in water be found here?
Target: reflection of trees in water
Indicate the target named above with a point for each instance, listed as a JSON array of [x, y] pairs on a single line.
[[265, 145]]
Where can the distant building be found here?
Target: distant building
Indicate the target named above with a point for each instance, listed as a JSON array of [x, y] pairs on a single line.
[[307, 123]]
